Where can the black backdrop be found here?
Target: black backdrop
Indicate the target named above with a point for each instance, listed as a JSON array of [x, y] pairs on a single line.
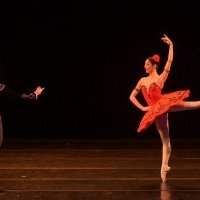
[[89, 55]]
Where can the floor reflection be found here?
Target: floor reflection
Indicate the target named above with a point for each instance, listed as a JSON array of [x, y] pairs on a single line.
[[165, 193]]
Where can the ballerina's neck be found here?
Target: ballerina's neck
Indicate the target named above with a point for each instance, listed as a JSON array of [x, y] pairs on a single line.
[[153, 75]]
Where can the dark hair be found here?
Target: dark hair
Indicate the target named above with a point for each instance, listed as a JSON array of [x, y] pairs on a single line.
[[155, 59]]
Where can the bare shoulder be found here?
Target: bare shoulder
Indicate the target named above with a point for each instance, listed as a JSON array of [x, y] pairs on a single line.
[[141, 81]]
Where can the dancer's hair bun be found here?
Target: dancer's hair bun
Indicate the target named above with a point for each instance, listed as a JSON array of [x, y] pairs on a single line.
[[156, 58]]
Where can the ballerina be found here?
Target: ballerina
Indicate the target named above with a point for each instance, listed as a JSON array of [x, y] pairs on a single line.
[[33, 96], [159, 105]]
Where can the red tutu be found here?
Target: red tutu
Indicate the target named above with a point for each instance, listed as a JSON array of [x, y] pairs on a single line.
[[160, 103]]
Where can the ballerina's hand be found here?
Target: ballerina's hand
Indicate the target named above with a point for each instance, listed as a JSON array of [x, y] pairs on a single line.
[[38, 90], [146, 108], [166, 40]]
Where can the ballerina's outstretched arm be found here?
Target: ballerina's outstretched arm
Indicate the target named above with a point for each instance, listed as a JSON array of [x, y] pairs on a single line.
[[34, 95], [165, 73], [28, 97]]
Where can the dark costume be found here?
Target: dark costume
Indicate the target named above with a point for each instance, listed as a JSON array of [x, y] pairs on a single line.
[[4, 90]]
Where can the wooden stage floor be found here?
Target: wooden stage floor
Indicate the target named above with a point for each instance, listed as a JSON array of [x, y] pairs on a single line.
[[98, 170]]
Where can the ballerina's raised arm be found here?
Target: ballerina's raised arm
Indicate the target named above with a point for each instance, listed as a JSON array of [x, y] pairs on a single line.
[[167, 67]]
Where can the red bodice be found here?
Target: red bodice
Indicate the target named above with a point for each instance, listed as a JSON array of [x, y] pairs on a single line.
[[153, 94]]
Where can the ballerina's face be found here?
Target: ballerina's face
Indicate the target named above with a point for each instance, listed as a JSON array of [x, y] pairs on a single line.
[[148, 66]]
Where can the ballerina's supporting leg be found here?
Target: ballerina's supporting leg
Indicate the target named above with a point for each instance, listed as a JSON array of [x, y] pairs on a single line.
[[186, 105], [162, 126]]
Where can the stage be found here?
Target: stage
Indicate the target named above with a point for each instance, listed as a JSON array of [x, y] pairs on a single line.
[[97, 169]]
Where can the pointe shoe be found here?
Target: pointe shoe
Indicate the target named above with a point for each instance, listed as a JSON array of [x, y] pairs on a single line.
[[163, 173]]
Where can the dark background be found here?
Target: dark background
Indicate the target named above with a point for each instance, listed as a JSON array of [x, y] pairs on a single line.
[[89, 55]]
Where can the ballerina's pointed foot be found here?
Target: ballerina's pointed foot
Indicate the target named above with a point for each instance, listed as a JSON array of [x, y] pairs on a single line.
[[163, 173]]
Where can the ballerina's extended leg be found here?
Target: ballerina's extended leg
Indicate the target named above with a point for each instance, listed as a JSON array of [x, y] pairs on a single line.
[[186, 105]]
